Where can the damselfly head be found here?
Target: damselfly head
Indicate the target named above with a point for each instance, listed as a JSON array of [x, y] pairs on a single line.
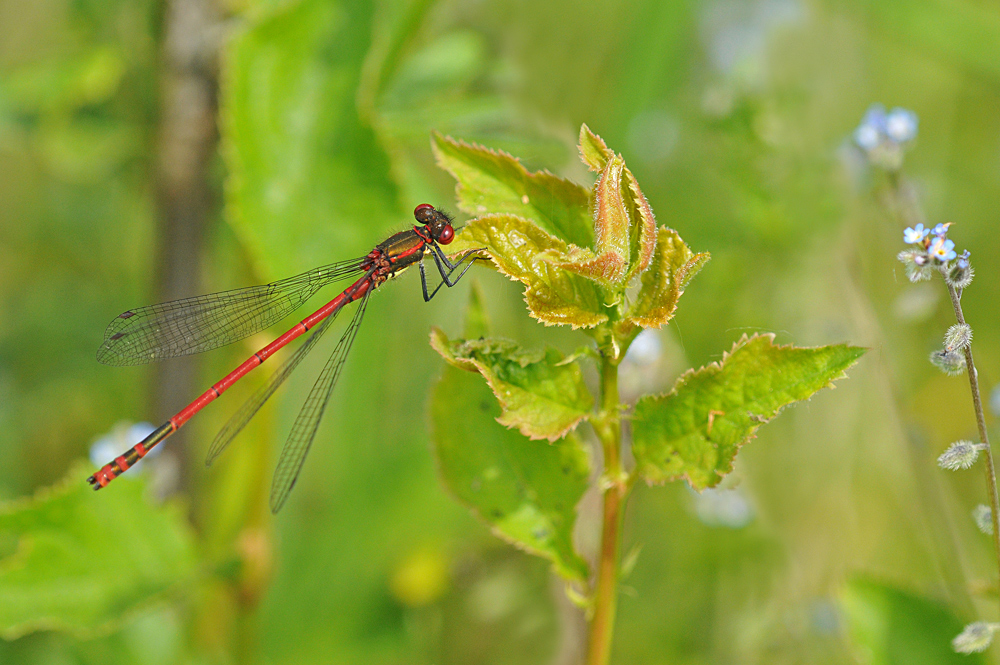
[[437, 222]]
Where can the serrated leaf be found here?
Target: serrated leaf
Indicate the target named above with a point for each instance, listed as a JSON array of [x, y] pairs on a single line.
[[696, 429], [593, 150], [84, 560], [525, 490], [642, 223], [609, 261], [642, 232], [540, 394], [672, 267], [491, 181], [524, 252]]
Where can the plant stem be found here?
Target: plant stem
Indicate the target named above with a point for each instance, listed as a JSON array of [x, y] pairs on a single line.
[[615, 488], [977, 401]]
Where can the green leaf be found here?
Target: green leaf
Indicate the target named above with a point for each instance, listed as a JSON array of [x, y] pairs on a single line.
[[896, 627], [672, 267], [491, 181], [525, 490], [525, 253], [302, 164], [696, 429], [593, 150], [84, 560], [540, 393]]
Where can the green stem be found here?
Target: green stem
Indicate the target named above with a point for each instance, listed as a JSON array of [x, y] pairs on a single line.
[[615, 488], [977, 402]]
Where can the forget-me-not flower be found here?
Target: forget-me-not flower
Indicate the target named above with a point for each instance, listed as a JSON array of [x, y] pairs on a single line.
[[914, 235], [942, 249], [883, 136], [901, 125]]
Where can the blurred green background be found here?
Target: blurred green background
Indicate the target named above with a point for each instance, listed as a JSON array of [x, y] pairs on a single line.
[[837, 541]]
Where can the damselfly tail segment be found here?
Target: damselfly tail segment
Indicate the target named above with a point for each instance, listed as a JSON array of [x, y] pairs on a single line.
[[206, 322]]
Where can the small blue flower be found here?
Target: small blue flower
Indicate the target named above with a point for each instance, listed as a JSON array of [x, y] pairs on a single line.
[[872, 129], [911, 236], [901, 125], [884, 137], [963, 260], [867, 137], [942, 249], [941, 230]]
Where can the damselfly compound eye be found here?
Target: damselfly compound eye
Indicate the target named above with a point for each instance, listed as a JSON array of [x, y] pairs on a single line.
[[447, 235]]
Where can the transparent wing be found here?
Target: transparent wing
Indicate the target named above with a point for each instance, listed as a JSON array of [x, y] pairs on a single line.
[[250, 408], [294, 452], [201, 323]]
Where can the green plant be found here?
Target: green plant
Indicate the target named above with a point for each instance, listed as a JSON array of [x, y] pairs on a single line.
[[596, 260]]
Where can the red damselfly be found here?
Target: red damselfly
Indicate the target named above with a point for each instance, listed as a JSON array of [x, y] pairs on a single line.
[[193, 325]]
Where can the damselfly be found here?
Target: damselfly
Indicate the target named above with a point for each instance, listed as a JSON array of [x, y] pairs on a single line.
[[193, 325]]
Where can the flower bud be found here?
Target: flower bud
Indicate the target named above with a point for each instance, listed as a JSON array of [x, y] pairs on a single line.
[[917, 264], [958, 337], [983, 517], [960, 455], [951, 363], [975, 638], [961, 273]]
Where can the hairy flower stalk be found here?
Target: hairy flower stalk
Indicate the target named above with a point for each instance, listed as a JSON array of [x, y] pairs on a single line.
[[931, 250], [977, 403]]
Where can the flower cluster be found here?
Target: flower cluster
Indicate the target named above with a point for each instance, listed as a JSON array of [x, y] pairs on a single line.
[[935, 251], [884, 136]]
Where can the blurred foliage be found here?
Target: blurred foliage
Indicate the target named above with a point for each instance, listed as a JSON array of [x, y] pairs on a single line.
[[735, 116], [67, 574], [894, 626]]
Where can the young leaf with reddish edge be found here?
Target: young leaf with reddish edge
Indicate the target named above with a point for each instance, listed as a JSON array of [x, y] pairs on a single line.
[[540, 394], [609, 261], [525, 490], [491, 181], [672, 267], [638, 215], [521, 250], [593, 150], [643, 229], [695, 430]]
